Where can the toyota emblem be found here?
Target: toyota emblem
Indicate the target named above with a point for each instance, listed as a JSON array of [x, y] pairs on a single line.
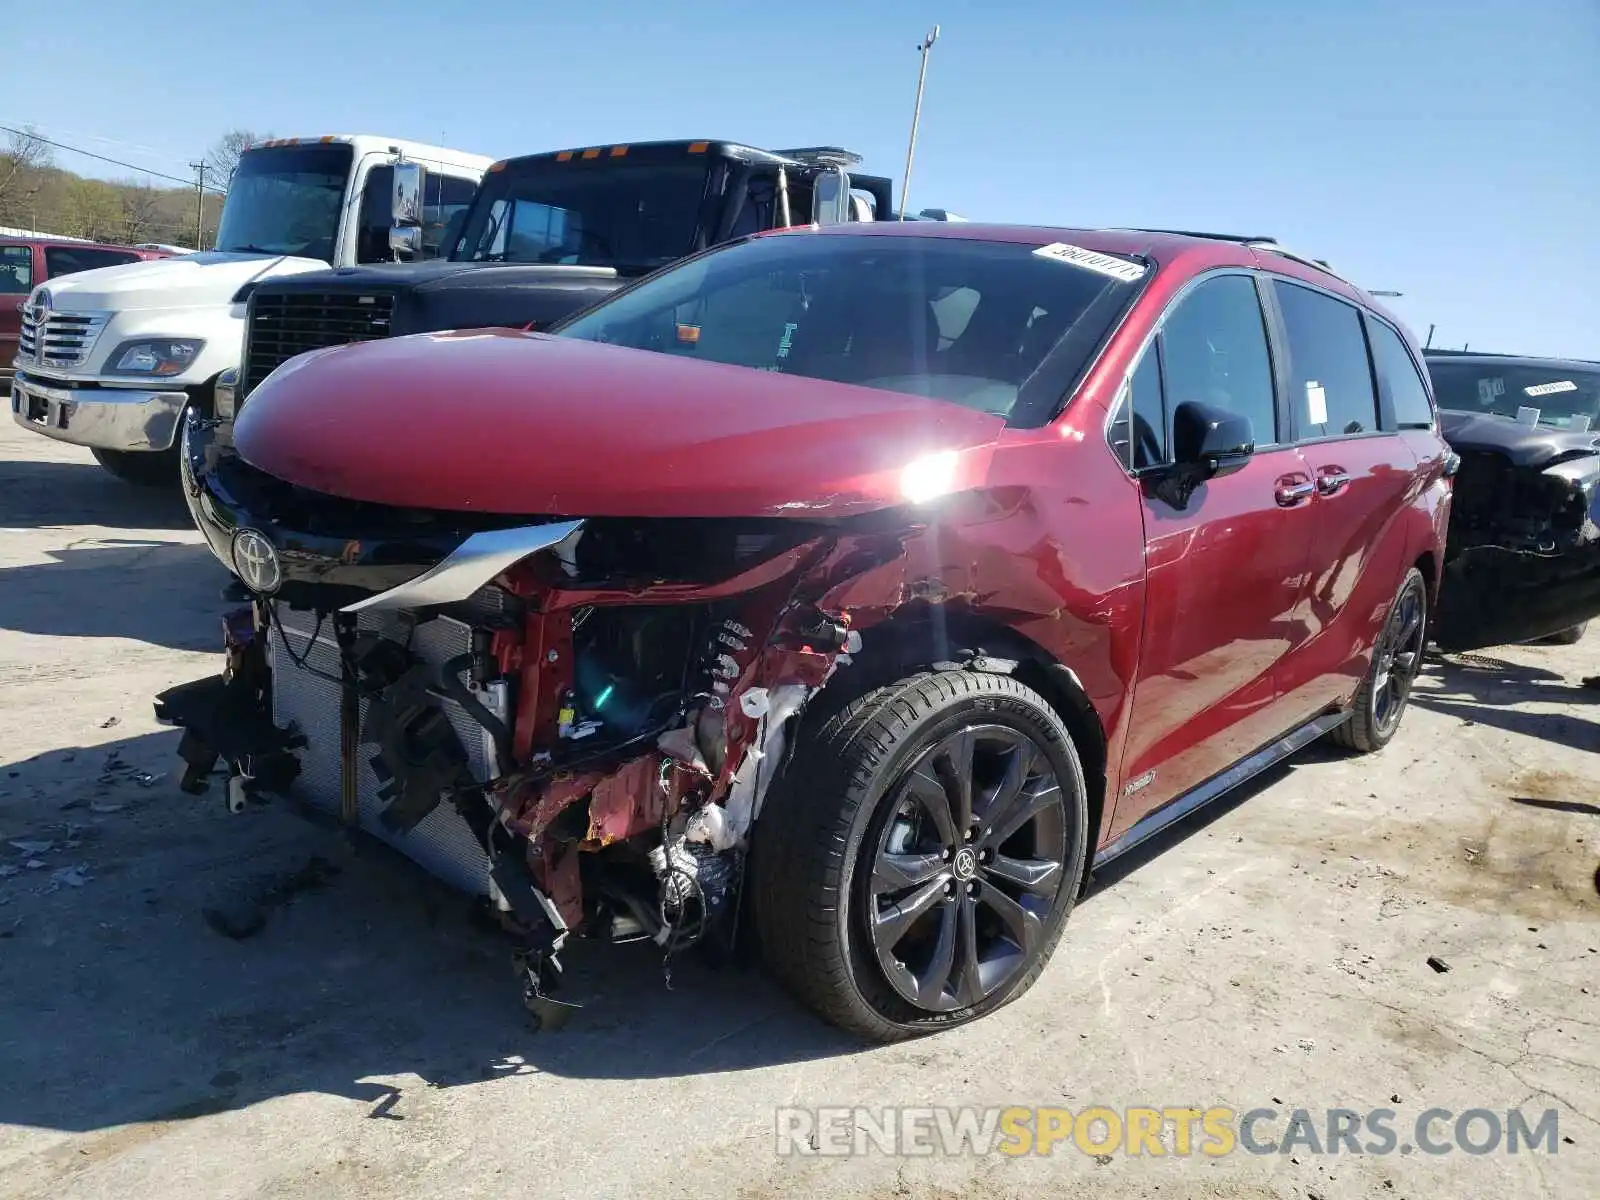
[[256, 562]]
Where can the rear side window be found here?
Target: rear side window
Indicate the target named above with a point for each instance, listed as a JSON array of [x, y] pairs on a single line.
[[16, 270], [1399, 382], [64, 260], [1214, 350], [1330, 377]]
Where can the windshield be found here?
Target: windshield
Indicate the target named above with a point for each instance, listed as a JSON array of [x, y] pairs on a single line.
[[1537, 394], [970, 322], [634, 216], [286, 200]]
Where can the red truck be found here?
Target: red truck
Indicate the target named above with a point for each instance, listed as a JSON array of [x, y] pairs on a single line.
[[26, 262]]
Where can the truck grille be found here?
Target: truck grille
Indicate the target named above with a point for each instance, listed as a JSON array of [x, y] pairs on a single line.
[[61, 339], [286, 324], [308, 695]]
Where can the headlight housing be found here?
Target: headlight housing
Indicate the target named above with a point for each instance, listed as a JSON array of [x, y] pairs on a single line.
[[154, 357], [225, 393]]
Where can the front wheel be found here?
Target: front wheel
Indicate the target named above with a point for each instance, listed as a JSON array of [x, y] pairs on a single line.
[[916, 862], [147, 468], [1396, 662]]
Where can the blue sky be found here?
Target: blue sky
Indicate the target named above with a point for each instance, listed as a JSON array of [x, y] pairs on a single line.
[[1447, 150]]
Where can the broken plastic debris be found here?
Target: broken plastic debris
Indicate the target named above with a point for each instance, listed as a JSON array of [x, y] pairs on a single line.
[[145, 779], [709, 825], [25, 846], [680, 744], [755, 702], [9, 869], [1438, 964], [105, 806], [34, 864], [71, 876]]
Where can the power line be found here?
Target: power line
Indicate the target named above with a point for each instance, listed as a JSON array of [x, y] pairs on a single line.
[[23, 133]]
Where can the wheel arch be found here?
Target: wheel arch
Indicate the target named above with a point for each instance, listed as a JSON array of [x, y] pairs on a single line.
[[912, 641]]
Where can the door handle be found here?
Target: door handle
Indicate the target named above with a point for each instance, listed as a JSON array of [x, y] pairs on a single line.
[[1330, 482], [1290, 494]]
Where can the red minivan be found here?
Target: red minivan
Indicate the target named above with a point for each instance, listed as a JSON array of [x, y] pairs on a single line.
[[857, 590], [26, 262]]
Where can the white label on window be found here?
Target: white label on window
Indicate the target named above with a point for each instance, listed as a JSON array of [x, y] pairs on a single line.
[[1550, 389], [1488, 389], [1093, 260], [1316, 403], [1581, 423], [1526, 415]]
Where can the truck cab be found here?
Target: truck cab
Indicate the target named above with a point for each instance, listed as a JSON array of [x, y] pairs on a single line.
[[551, 233], [111, 359]]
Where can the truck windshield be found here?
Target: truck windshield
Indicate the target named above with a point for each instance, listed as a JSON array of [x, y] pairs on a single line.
[[1561, 396], [286, 200], [634, 216], [988, 325]]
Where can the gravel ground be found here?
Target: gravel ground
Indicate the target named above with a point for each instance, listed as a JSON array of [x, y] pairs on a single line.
[[368, 1040]]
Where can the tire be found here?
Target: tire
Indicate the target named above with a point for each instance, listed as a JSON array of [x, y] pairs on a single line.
[[146, 468], [1567, 637], [861, 797], [1381, 701]]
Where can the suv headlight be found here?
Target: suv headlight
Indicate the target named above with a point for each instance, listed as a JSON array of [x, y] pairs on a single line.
[[154, 356]]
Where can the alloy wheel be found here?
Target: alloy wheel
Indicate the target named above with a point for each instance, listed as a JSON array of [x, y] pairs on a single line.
[[1399, 659], [965, 872]]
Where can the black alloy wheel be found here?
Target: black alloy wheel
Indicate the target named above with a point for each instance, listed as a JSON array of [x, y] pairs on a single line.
[[964, 872]]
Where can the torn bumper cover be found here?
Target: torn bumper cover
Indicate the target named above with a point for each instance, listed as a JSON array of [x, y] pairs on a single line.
[[503, 697], [1523, 557]]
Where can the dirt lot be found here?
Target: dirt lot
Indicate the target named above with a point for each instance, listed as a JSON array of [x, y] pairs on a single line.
[[368, 1042]]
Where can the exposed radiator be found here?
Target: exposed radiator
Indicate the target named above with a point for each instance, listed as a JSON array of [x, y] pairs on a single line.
[[442, 843]]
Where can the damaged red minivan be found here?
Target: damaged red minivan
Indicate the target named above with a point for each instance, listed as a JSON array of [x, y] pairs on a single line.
[[854, 591]]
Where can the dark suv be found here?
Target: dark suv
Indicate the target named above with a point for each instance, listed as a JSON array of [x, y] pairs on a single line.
[[860, 589], [1524, 553]]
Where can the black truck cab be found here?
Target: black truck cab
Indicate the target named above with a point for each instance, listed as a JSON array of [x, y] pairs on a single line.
[[548, 234]]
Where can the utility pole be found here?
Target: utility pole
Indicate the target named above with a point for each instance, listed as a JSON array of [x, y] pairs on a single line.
[[1429, 342], [916, 116], [199, 203]]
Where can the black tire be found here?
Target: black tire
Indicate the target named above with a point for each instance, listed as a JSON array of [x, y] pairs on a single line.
[[1568, 637], [1381, 701], [855, 784], [146, 468]]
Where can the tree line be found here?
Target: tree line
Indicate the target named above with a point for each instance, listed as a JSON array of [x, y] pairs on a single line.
[[38, 194]]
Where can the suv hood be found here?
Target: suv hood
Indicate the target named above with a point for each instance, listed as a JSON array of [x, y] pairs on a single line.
[[194, 280], [1523, 445], [504, 422]]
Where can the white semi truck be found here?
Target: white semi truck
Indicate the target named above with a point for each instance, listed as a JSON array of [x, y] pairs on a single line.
[[110, 359]]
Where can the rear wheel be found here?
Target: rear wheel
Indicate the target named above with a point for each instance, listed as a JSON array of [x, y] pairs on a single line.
[[916, 862], [147, 468], [1396, 661]]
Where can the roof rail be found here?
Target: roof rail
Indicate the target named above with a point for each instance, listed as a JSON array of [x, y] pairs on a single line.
[[1247, 239]]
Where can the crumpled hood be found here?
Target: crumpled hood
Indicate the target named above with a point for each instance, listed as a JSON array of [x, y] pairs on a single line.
[[212, 277], [1524, 445], [506, 422]]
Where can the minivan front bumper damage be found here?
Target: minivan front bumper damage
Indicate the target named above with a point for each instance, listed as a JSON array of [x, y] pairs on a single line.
[[1523, 557], [578, 719]]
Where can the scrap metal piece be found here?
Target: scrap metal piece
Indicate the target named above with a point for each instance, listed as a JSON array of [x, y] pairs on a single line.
[[470, 566]]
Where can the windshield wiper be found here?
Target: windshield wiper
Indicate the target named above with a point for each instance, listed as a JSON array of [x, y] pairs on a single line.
[[252, 250]]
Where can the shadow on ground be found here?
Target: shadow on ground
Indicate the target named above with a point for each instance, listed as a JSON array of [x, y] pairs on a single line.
[[1481, 689], [41, 495], [165, 593]]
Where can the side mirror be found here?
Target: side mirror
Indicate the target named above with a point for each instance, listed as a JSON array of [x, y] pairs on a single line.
[[830, 197], [1210, 440], [405, 225]]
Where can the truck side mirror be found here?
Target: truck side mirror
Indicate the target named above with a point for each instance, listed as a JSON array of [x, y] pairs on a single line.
[[830, 197], [405, 226]]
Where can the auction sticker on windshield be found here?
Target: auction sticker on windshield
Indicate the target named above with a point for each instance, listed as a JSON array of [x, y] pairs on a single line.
[[1093, 260], [1551, 389]]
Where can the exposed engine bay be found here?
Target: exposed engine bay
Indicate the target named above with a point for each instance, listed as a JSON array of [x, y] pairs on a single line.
[[578, 720], [1523, 556]]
